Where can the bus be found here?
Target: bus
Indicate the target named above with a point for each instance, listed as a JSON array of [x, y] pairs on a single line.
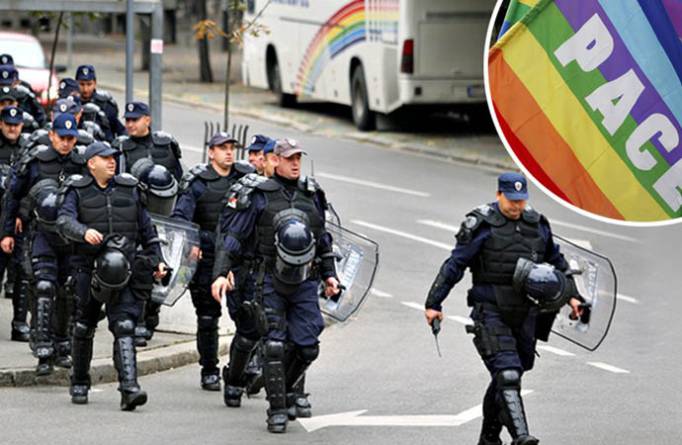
[[376, 56]]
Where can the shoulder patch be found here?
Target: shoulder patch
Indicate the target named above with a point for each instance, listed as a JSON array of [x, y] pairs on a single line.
[[126, 179], [269, 185], [473, 221], [162, 138], [77, 181], [532, 216], [191, 174]]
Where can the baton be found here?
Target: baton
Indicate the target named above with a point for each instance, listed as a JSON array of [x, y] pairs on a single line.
[[435, 329]]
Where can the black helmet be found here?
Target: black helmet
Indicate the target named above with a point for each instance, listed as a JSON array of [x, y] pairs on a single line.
[[111, 270], [295, 246], [545, 286], [44, 196], [159, 186]]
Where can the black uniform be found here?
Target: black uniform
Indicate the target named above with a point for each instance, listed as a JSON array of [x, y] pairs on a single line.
[[27, 102], [115, 209], [107, 105], [158, 146], [203, 196]]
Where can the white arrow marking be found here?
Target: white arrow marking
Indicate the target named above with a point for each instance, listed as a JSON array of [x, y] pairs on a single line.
[[356, 418], [417, 306], [627, 299], [403, 234], [375, 185], [460, 319], [380, 294]]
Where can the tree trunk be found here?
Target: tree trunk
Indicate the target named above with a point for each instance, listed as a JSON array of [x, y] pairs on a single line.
[[205, 71]]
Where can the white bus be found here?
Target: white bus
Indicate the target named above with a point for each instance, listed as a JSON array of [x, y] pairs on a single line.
[[375, 55]]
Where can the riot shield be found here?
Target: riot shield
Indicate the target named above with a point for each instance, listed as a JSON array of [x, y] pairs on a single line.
[[180, 250], [596, 284], [356, 265]]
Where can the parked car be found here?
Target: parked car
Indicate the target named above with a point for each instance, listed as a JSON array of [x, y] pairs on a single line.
[[31, 63]]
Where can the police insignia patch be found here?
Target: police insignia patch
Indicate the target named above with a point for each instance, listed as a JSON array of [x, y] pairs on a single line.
[[5, 74], [62, 85], [68, 124], [470, 222], [232, 202], [131, 107], [13, 112], [518, 186], [85, 71], [62, 108]]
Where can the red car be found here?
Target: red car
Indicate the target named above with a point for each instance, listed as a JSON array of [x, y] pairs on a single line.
[[31, 63]]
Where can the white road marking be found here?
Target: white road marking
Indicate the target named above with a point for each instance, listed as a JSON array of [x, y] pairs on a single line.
[[371, 184], [454, 229], [607, 367], [380, 294], [627, 299], [356, 418], [555, 222], [556, 351], [96, 390], [460, 319], [417, 306], [403, 234]]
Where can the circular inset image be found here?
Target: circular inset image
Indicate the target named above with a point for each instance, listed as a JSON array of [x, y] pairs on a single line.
[[587, 96]]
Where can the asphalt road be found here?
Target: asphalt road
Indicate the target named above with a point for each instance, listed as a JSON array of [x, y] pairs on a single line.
[[385, 360]]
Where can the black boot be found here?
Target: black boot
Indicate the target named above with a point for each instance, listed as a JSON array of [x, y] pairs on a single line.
[[240, 354], [207, 346], [275, 386], [125, 361], [62, 327], [254, 372], [151, 317], [491, 427], [512, 413], [20, 329], [299, 359], [81, 351], [62, 357], [43, 345]]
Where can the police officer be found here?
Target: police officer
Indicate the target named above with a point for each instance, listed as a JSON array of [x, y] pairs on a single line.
[[26, 99], [8, 98], [7, 59], [490, 242], [68, 87], [42, 166], [203, 195], [141, 142], [11, 142], [87, 81], [101, 212], [256, 155], [286, 214]]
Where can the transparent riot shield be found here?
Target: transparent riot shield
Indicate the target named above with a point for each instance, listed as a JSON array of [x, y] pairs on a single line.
[[356, 265], [597, 285], [180, 250]]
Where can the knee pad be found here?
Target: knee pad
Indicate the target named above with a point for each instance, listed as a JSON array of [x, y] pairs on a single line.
[[205, 322], [308, 354], [45, 288], [123, 328], [274, 350], [243, 344], [81, 330], [508, 379]]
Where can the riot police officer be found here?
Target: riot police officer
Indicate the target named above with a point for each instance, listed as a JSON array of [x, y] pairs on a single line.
[[491, 241], [26, 99], [141, 142], [8, 98], [11, 142], [203, 195], [102, 214], [286, 214], [87, 81], [49, 252], [256, 154], [7, 59]]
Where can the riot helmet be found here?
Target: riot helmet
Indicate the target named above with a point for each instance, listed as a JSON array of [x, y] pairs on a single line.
[[159, 187], [295, 247], [43, 197], [542, 284], [112, 269]]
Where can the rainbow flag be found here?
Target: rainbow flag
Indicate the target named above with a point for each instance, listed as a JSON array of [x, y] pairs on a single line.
[[589, 96], [515, 12]]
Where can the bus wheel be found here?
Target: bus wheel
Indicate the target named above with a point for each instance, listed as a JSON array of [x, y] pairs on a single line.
[[363, 117], [285, 100]]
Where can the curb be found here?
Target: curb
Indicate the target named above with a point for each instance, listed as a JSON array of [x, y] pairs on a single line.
[[102, 369], [278, 120]]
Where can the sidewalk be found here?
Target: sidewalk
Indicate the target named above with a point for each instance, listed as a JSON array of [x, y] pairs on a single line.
[[165, 351], [444, 137]]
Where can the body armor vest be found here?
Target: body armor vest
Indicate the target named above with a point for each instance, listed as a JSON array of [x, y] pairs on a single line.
[[109, 211], [53, 166], [212, 201], [278, 198], [8, 150], [162, 154]]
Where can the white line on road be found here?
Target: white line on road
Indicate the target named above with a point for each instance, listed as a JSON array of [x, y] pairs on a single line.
[[581, 242], [607, 367], [356, 418], [557, 351], [380, 294], [454, 229], [417, 306], [460, 319], [403, 234], [375, 185], [627, 299]]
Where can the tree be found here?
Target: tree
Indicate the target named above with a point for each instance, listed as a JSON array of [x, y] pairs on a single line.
[[206, 30]]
